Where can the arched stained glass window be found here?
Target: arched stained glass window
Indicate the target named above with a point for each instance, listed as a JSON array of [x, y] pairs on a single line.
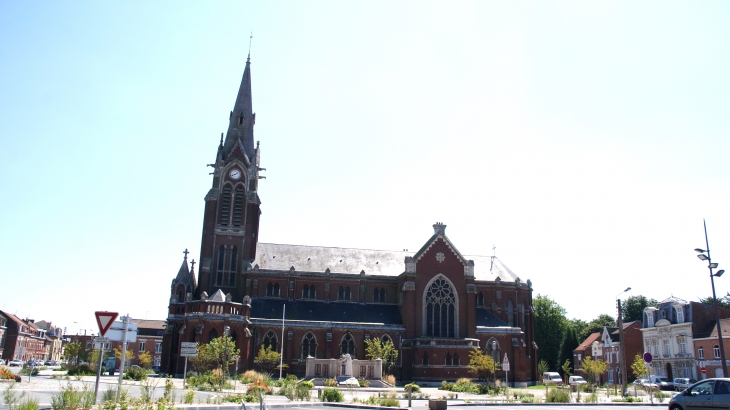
[[270, 340], [440, 309], [347, 346]]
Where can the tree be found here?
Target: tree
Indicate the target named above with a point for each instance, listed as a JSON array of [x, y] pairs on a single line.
[[267, 360], [723, 302], [72, 352], [145, 359], [633, 307], [377, 349], [570, 342], [550, 326], [597, 325], [481, 364], [129, 355], [639, 367], [204, 360], [593, 368], [567, 370], [221, 352]]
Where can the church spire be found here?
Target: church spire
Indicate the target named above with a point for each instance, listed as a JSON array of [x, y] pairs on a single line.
[[240, 126]]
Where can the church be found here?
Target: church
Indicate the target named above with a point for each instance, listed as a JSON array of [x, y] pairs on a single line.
[[435, 305]]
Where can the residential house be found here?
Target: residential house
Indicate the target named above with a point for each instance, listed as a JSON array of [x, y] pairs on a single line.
[[591, 347], [707, 349], [610, 340]]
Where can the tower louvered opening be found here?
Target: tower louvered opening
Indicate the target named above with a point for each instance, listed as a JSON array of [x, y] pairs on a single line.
[[238, 206], [225, 206]]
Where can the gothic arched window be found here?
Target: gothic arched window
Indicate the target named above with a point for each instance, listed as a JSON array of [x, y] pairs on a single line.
[[425, 359], [225, 209], [493, 350], [376, 295], [309, 346], [347, 293], [440, 309], [276, 290], [305, 292], [270, 340], [455, 360], [270, 289], [232, 267], [480, 299], [212, 335], [341, 293], [347, 346], [448, 359], [312, 292]]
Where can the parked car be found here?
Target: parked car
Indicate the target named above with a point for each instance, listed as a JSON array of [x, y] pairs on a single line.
[[662, 382], [708, 393], [681, 383], [576, 380], [16, 363], [552, 378], [645, 384], [51, 363], [2, 362]]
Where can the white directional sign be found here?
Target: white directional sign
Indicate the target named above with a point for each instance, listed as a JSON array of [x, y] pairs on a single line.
[[102, 343], [189, 344], [116, 332], [188, 352]]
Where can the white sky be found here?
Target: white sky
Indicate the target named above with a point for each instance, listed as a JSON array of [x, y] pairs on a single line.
[[586, 140]]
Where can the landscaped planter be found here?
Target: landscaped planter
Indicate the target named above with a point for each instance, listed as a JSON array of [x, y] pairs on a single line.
[[436, 404]]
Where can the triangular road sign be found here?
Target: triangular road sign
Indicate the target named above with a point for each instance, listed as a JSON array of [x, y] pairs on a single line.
[[105, 320]]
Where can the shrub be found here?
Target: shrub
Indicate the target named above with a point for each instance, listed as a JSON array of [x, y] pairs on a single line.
[[591, 398], [189, 396], [28, 404], [390, 379], [557, 396], [238, 398], [332, 395], [660, 395], [70, 398], [330, 382], [83, 370], [414, 387], [308, 383], [135, 373], [526, 398], [6, 373]]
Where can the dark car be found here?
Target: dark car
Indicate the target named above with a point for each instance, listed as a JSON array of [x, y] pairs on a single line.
[[704, 395]]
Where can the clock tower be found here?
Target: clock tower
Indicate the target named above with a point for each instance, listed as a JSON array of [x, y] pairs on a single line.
[[232, 205]]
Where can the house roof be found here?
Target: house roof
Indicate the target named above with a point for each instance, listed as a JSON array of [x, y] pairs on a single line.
[[589, 340], [273, 256], [487, 319], [711, 329], [148, 324]]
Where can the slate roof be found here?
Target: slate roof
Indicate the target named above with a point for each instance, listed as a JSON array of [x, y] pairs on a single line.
[[314, 310], [487, 319], [711, 329], [148, 324], [273, 256]]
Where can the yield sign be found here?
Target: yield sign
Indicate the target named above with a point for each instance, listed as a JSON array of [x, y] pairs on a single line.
[[105, 320]]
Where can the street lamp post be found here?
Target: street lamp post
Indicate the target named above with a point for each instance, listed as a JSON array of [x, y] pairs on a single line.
[[704, 255], [226, 331], [622, 351]]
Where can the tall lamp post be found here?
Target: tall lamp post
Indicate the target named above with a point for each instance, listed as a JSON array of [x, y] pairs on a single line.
[[704, 255], [622, 351], [226, 331]]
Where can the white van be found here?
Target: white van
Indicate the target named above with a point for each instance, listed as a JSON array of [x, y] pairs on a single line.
[[574, 380], [552, 378], [661, 382]]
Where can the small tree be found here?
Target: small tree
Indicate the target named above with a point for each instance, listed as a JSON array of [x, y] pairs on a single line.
[[593, 368], [267, 360], [567, 370], [145, 359], [482, 364], [542, 367], [204, 360], [639, 367], [129, 355], [72, 352], [377, 349]]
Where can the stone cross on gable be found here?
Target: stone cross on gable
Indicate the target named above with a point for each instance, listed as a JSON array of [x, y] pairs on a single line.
[[440, 257], [192, 264], [186, 253]]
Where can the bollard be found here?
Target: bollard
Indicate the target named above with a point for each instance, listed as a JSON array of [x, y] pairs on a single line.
[[410, 390]]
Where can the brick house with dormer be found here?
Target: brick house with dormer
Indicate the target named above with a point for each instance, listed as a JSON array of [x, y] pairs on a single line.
[[434, 305]]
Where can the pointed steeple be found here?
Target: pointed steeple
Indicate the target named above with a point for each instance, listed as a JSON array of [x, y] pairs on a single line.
[[241, 122], [184, 273]]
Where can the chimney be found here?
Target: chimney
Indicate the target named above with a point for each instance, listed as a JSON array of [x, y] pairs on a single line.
[[439, 228]]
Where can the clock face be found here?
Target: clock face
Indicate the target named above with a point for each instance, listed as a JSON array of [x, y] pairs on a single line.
[[235, 173]]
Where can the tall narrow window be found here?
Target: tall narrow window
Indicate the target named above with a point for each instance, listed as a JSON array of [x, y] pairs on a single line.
[[649, 318], [225, 209], [716, 350], [212, 335], [448, 359], [700, 352], [276, 290], [680, 314], [309, 346], [270, 340], [347, 293], [440, 306], [682, 344], [232, 267], [312, 292], [455, 360], [376, 296], [238, 206], [341, 293], [270, 289], [347, 346], [382, 295], [480, 299], [305, 292], [425, 359]]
